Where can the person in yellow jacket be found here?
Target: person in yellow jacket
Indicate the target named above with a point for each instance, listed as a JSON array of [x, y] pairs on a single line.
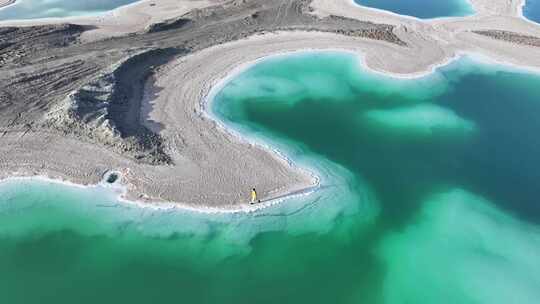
[[253, 196]]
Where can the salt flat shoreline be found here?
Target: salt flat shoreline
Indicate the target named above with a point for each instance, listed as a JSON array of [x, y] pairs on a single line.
[[193, 78], [119, 191]]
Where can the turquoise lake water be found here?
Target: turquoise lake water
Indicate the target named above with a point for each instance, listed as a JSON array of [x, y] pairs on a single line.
[[531, 10], [33, 9], [429, 194], [423, 9]]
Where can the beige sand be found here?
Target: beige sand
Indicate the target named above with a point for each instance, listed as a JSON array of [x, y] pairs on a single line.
[[214, 168]]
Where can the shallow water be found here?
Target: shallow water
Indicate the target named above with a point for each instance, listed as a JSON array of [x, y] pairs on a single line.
[[531, 10], [423, 9], [33, 9], [429, 186]]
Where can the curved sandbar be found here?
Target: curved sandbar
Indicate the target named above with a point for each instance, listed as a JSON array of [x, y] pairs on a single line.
[[214, 168], [211, 167]]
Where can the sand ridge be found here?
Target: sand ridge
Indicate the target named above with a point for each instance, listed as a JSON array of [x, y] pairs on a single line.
[[4, 3]]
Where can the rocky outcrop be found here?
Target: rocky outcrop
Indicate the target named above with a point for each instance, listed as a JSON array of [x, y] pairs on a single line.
[[106, 110], [171, 24]]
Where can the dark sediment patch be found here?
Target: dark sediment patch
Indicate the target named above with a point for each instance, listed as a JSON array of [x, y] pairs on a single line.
[[112, 178], [16, 43], [511, 37], [167, 25]]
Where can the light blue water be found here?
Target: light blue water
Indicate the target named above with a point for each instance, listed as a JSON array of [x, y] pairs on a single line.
[[32, 9], [531, 10], [423, 9]]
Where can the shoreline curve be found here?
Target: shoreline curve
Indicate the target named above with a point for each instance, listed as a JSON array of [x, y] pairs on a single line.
[[174, 98], [171, 81], [228, 74]]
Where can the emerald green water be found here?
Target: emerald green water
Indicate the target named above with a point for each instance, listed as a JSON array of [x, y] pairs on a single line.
[[429, 194]]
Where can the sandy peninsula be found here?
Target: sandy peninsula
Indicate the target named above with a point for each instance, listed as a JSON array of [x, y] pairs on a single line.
[[193, 160]]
